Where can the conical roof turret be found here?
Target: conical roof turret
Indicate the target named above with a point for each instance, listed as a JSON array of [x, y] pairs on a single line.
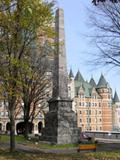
[[71, 74], [79, 77], [92, 82], [116, 98], [102, 82]]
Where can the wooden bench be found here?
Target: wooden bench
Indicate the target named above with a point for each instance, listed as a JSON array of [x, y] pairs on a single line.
[[87, 147]]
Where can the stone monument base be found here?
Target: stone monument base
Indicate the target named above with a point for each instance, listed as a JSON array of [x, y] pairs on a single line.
[[60, 123]]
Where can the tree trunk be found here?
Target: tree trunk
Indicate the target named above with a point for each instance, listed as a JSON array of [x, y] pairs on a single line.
[[12, 130], [26, 118], [26, 123]]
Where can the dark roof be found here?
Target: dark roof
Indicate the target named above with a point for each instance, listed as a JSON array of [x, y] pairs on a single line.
[[71, 74], [102, 82], [116, 98], [79, 77], [92, 82]]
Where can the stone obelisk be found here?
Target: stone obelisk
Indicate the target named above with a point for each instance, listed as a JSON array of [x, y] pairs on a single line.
[[60, 121]]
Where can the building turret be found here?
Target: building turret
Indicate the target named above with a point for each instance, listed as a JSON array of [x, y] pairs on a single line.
[[71, 74], [116, 111], [71, 85], [79, 77], [102, 82], [92, 82], [105, 92], [116, 98]]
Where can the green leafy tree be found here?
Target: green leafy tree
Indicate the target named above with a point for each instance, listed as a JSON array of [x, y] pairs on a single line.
[[19, 23]]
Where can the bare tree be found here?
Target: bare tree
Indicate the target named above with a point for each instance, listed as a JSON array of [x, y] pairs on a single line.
[[96, 2], [36, 83], [105, 20]]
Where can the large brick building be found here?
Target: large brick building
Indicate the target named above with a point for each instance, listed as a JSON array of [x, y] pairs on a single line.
[[93, 103]]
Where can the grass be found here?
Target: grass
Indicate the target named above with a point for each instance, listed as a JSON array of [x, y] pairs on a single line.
[[32, 142], [6, 155], [105, 155], [6, 138]]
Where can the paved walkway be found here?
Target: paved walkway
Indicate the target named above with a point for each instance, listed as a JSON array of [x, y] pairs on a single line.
[[108, 140], [28, 149]]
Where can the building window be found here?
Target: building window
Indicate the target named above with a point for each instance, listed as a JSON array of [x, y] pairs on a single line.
[[81, 95], [88, 112], [94, 96], [2, 114], [96, 120], [99, 104], [80, 120], [69, 88], [89, 104], [6, 113], [1, 104], [109, 104], [109, 96], [86, 104], [80, 112], [100, 120], [88, 120], [81, 103]]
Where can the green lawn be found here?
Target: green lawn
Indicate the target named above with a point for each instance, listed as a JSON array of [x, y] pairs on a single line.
[[32, 142], [6, 138], [6, 155]]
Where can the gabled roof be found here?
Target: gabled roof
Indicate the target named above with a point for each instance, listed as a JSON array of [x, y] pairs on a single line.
[[86, 87], [102, 82], [79, 77], [92, 82], [71, 74], [116, 98]]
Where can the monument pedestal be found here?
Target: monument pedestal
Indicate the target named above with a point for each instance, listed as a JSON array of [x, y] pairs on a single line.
[[60, 123]]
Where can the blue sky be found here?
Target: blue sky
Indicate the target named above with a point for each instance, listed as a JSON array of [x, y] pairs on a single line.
[[76, 18]]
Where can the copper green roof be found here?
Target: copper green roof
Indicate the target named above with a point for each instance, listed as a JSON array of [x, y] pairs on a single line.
[[92, 82], [86, 87], [116, 98], [79, 77], [71, 74], [102, 82]]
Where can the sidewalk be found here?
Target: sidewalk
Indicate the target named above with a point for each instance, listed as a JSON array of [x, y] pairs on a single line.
[[108, 140]]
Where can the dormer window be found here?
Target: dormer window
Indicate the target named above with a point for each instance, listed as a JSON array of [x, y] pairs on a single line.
[[81, 95], [94, 96]]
